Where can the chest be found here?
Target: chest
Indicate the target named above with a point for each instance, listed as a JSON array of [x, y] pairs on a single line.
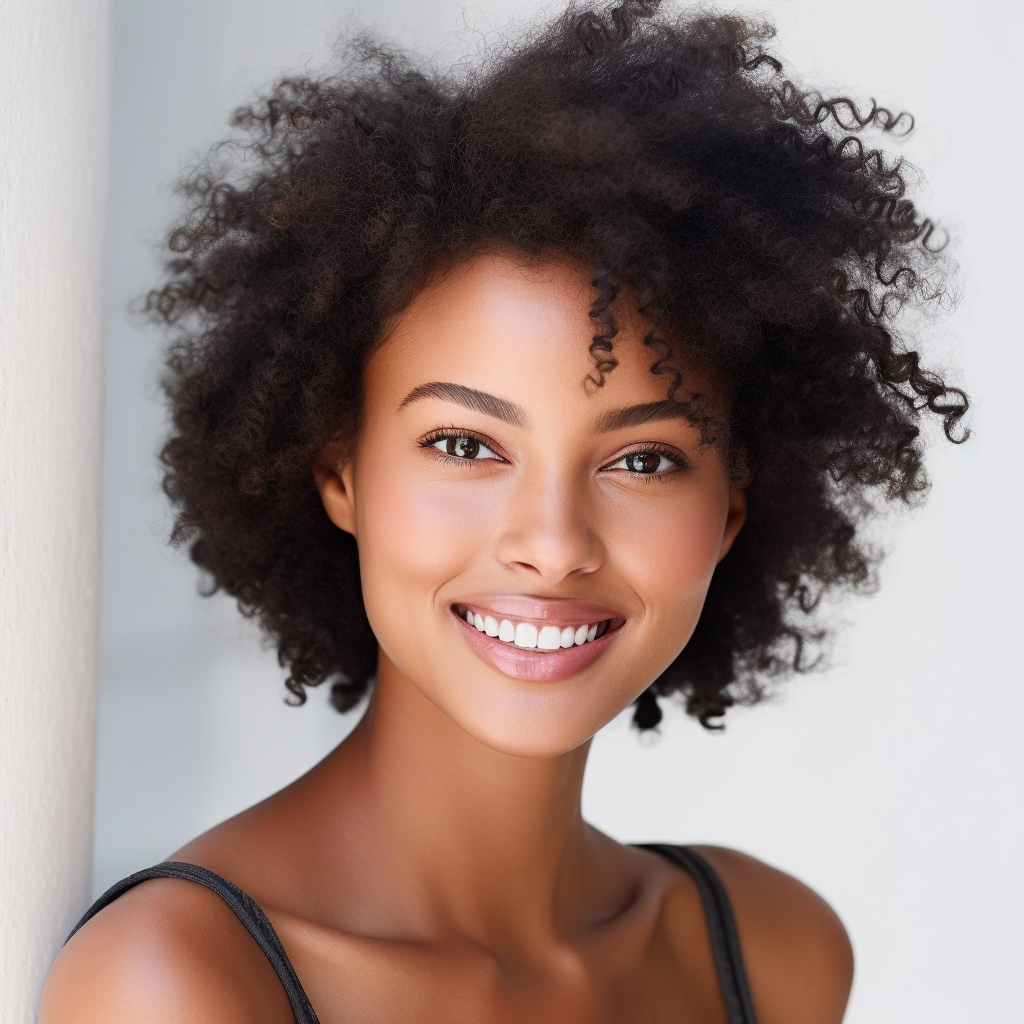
[[621, 978]]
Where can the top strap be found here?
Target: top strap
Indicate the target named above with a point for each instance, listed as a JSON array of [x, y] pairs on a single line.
[[725, 939], [244, 908]]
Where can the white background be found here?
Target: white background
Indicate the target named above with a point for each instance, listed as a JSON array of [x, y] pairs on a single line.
[[891, 783]]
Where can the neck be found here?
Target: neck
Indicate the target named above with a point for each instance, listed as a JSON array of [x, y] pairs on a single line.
[[450, 835]]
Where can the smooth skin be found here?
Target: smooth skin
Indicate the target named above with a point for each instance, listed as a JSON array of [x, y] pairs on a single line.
[[436, 866]]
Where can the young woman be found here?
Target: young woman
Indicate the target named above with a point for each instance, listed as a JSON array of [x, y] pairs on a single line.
[[524, 394]]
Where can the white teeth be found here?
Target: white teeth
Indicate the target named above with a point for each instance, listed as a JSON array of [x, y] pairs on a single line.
[[550, 638], [529, 637], [526, 635]]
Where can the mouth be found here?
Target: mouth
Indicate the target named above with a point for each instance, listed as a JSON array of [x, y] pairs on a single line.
[[551, 647], [533, 636]]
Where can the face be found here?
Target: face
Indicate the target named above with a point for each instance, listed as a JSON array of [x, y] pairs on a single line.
[[533, 552]]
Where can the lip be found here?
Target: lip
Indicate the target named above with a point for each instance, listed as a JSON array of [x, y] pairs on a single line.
[[533, 665]]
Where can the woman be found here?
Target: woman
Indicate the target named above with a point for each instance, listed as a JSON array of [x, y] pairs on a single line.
[[527, 392]]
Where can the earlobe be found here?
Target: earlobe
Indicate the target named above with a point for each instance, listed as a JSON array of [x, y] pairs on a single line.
[[334, 481], [736, 518]]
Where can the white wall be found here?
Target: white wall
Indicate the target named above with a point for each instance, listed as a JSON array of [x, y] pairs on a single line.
[[54, 64], [892, 784]]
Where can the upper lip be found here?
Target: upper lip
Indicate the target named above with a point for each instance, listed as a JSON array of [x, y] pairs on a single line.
[[549, 611]]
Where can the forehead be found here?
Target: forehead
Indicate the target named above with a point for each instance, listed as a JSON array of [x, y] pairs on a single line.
[[516, 329]]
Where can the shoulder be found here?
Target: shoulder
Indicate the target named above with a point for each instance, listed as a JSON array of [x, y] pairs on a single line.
[[797, 954], [166, 951]]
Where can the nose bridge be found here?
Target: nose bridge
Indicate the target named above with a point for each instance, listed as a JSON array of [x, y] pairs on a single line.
[[550, 524]]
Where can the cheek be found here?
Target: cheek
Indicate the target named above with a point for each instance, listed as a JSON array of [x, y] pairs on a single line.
[[670, 550], [416, 533]]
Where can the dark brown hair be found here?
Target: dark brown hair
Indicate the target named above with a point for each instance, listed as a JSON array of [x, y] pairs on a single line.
[[669, 152]]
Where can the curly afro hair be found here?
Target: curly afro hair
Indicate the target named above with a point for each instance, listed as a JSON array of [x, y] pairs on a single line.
[[670, 153]]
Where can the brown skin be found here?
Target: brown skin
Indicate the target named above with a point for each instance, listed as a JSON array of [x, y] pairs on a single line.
[[436, 867]]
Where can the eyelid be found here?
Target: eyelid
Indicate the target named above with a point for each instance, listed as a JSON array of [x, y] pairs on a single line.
[[439, 434], [670, 452]]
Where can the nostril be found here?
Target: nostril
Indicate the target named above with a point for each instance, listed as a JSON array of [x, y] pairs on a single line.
[[526, 567]]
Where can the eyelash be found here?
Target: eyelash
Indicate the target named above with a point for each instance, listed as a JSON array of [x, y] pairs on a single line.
[[656, 449], [445, 433]]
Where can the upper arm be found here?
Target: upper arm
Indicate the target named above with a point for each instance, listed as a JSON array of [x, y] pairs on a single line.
[[797, 954], [167, 952]]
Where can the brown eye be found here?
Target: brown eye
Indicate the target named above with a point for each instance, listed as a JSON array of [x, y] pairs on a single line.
[[646, 462], [462, 447]]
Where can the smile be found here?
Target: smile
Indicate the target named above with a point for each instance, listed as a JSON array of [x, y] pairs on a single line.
[[530, 636], [536, 640]]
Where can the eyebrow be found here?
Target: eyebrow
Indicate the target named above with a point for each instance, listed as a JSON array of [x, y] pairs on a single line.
[[470, 398], [635, 415]]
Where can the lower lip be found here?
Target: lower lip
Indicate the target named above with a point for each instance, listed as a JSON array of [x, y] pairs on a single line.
[[527, 663]]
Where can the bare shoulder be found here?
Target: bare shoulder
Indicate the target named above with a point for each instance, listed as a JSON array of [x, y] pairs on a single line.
[[798, 956], [166, 951]]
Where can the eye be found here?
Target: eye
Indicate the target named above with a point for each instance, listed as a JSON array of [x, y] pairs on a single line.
[[646, 462], [465, 447]]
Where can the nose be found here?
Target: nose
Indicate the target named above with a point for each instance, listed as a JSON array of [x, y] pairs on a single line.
[[548, 533]]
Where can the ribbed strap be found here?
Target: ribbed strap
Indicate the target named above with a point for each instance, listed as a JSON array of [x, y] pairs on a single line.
[[725, 939], [243, 907]]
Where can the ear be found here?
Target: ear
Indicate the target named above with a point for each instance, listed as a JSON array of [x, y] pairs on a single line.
[[334, 480], [735, 519]]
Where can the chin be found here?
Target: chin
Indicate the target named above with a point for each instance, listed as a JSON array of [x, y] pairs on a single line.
[[519, 712], [532, 724], [520, 739]]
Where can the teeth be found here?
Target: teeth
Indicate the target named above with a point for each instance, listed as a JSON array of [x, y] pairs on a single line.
[[550, 638], [529, 637], [526, 635]]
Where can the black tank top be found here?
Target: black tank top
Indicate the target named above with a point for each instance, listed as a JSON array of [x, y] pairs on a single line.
[[725, 943]]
